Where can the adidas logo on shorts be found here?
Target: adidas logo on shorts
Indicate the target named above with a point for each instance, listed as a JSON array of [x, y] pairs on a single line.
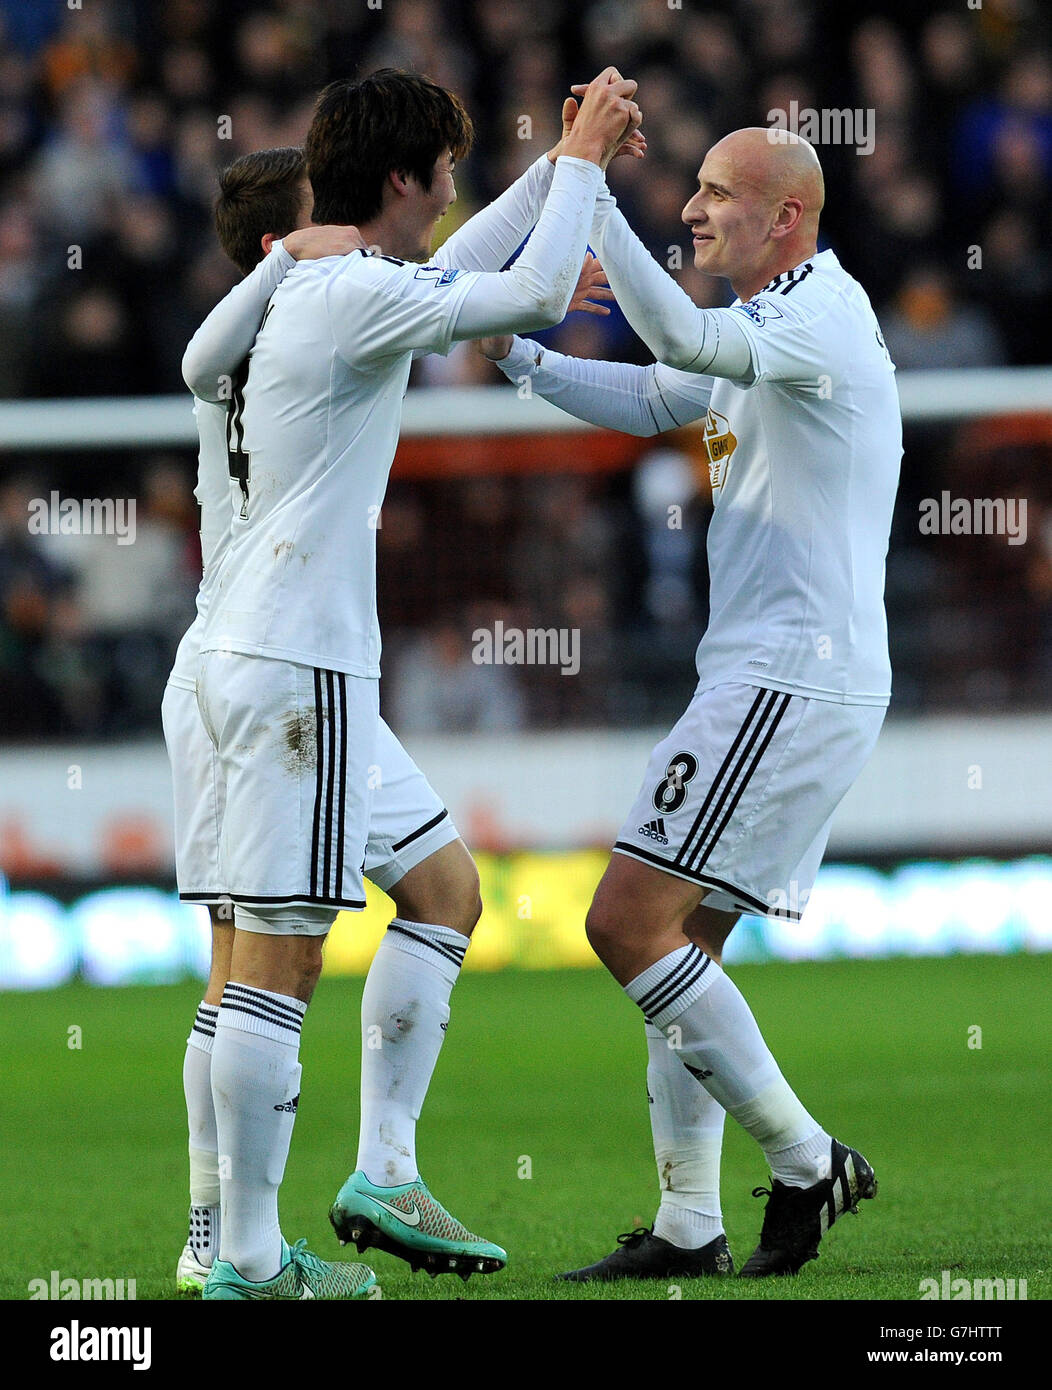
[[654, 830]]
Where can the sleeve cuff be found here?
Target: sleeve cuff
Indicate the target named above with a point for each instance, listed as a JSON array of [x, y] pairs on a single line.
[[585, 167], [277, 248], [521, 360]]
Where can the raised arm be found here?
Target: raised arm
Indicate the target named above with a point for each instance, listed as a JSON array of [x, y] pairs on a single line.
[[677, 332], [536, 291], [380, 307], [227, 334], [387, 308], [542, 280], [489, 239], [634, 400], [225, 338]]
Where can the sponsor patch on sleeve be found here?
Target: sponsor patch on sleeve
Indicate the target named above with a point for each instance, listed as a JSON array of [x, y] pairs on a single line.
[[437, 273], [759, 310]]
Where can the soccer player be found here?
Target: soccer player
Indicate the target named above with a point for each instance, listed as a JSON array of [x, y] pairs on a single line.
[[409, 830], [287, 681], [804, 440], [263, 197]]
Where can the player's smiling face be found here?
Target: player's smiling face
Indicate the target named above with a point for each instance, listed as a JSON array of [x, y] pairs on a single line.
[[436, 201], [730, 219]]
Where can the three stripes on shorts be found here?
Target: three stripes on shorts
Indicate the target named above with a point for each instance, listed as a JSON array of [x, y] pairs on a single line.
[[728, 786], [330, 790]]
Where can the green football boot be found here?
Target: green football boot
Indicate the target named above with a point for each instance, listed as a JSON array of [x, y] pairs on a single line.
[[407, 1222], [190, 1273], [302, 1275]]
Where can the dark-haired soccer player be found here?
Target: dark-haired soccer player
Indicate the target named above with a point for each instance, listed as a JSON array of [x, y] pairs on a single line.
[[288, 676], [263, 197], [413, 851]]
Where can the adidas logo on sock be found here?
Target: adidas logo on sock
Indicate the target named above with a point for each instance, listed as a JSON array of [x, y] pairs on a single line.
[[654, 830], [289, 1105]]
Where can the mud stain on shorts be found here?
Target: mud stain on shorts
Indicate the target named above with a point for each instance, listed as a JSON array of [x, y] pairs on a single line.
[[299, 751]]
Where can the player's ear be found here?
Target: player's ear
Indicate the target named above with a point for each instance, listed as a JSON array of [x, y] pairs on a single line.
[[399, 180], [788, 216], [266, 241]]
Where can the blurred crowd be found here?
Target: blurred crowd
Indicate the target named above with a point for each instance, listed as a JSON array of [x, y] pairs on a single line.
[[116, 116]]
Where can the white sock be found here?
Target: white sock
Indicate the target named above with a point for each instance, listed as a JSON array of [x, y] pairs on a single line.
[[704, 1016], [204, 1149], [803, 1164], [687, 1125], [405, 1010], [255, 1088]]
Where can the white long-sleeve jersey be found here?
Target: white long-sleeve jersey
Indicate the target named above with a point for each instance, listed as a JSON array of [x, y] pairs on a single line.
[[634, 400], [242, 310], [313, 444], [223, 341], [804, 439]]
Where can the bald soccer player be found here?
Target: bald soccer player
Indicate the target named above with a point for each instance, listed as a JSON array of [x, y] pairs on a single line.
[[804, 440]]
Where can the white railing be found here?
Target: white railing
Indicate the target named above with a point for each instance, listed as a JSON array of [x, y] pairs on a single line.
[[166, 421]]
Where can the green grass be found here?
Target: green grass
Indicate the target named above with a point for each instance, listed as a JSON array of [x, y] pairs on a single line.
[[549, 1067]]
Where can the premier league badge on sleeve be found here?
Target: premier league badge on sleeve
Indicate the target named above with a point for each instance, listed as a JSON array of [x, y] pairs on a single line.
[[439, 274], [760, 310]]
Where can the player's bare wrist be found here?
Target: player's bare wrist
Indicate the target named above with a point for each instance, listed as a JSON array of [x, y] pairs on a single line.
[[593, 153]]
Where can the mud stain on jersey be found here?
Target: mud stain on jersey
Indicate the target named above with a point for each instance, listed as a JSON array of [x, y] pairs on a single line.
[[299, 754]]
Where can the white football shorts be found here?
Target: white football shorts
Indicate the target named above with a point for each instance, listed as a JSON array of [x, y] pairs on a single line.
[[272, 815], [740, 796], [199, 797]]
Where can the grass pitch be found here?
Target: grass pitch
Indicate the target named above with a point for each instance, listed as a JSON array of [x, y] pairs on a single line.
[[536, 1131]]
